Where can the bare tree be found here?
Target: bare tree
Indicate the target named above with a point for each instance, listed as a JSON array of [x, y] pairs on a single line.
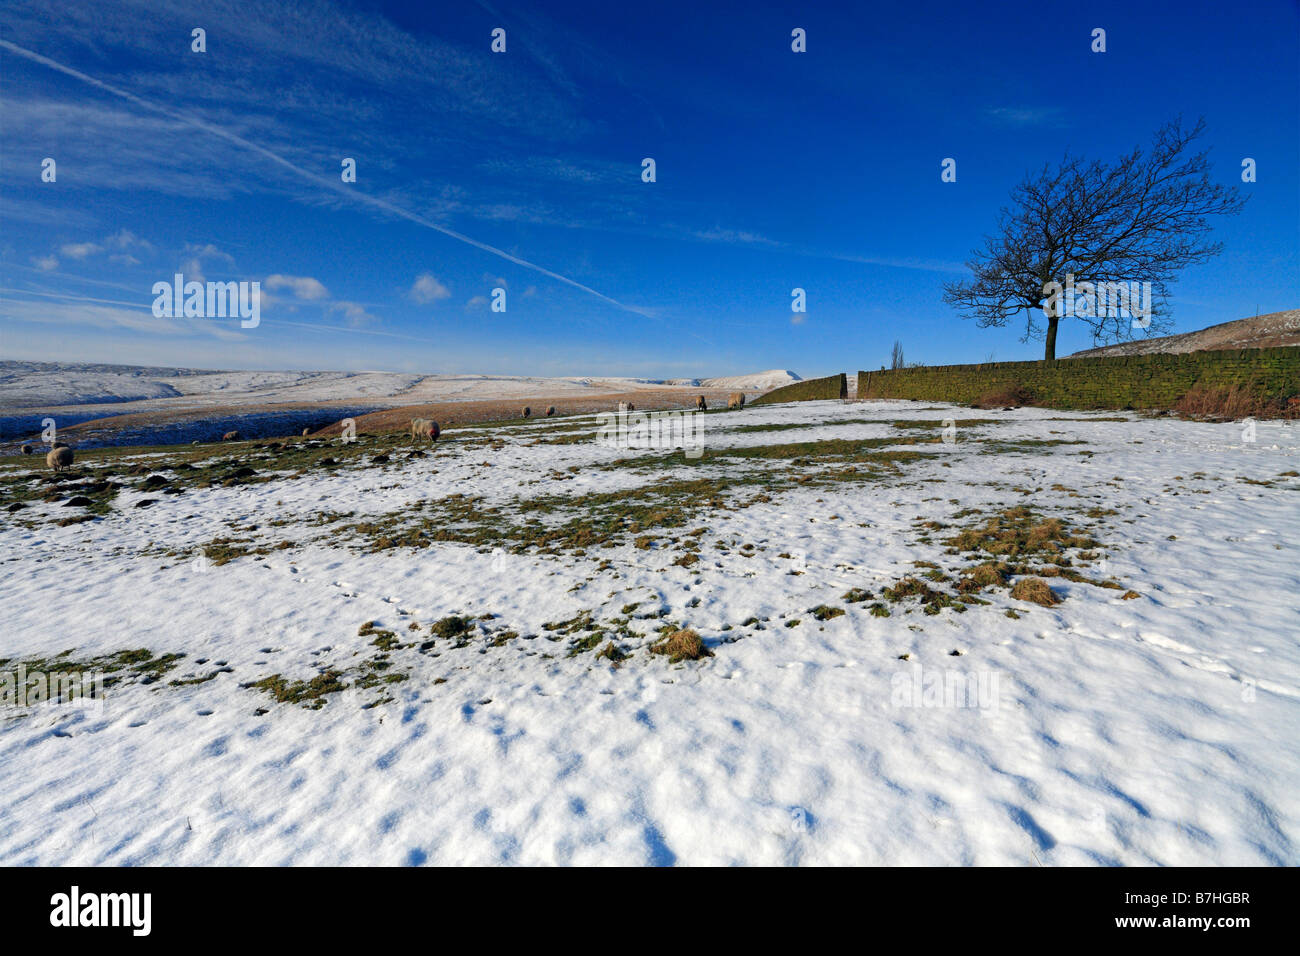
[[1103, 231], [896, 357]]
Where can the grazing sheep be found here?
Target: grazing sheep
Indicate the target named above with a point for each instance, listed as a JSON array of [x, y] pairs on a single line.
[[550, 410], [230, 436], [735, 400], [424, 428], [59, 458], [27, 449], [625, 407], [306, 432], [528, 412], [700, 403]]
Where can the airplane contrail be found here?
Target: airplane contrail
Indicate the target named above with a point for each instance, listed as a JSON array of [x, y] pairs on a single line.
[[336, 186]]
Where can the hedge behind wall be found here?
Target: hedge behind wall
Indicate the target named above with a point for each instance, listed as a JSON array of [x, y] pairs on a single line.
[[1137, 381]]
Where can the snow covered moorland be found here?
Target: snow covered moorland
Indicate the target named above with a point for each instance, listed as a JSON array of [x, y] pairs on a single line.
[[1027, 637]]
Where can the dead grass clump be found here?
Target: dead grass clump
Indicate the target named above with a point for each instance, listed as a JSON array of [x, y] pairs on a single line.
[[612, 653], [452, 626], [1018, 531], [1236, 401], [1035, 591], [1006, 395], [309, 693], [932, 601], [684, 645], [987, 575]]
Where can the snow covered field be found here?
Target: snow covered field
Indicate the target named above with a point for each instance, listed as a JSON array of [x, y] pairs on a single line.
[[872, 695]]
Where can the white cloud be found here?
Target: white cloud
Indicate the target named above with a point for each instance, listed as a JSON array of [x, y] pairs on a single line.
[[354, 312], [45, 263], [428, 289], [208, 251], [303, 287], [125, 239], [193, 267], [80, 250], [120, 242], [737, 236]]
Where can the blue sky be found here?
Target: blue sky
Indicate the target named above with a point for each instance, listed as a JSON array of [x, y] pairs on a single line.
[[775, 170]]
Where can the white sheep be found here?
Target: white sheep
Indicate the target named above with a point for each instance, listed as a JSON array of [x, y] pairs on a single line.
[[59, 457], [424, 428]]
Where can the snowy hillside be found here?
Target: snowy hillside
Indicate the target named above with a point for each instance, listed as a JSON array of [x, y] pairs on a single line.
[[51, 385], [758, 381]]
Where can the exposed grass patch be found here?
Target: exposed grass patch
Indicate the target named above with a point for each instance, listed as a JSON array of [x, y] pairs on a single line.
[[681, 645], [613, 653], [310, 693], [1017, 532], [1035, 591], [452, 628], [823, 612]]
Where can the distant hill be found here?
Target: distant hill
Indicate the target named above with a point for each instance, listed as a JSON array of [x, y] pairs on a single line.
[[766, 381], [26, 385], [1256, 332]]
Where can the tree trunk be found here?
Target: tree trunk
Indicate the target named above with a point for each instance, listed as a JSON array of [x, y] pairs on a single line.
[[1049, 352]]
